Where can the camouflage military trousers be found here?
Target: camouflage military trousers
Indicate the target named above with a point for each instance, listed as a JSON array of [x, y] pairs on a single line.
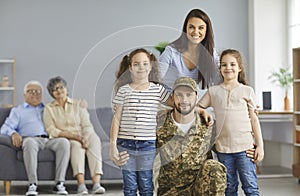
[[209, 181]]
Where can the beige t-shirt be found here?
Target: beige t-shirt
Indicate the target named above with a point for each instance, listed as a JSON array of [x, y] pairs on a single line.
[[73, 119], [234, 131]]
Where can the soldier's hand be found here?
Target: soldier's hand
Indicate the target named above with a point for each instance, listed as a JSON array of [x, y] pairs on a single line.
[[251, 153], [17, 139]]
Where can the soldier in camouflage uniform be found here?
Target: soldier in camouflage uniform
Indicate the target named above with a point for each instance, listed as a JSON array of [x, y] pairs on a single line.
[[186, 169]]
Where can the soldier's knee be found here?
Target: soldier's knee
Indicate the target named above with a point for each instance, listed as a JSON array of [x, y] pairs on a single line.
[[215, 174], [214, 165], [215, 169]]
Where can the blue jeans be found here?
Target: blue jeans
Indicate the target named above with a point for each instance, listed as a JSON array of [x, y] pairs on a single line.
[[239, 164], [138, 171]]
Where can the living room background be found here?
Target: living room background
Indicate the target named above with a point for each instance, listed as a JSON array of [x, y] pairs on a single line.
[[83, 41]]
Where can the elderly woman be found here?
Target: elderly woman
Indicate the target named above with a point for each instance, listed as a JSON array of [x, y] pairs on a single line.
[[65, 118]]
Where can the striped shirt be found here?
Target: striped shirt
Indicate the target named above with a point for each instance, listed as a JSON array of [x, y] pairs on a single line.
[[140, 107]]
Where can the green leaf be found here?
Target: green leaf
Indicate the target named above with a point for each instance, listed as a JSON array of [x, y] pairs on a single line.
[[161, 46], [283, 78]]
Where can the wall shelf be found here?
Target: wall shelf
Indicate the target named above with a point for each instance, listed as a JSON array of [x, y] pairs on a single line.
[[8, 91], [7, 88], [7, 60], [296, 80]]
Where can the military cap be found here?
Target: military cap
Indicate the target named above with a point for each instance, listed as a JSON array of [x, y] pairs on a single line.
[[185, 81]]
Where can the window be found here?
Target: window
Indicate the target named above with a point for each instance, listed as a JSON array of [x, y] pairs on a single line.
[[294, 23]]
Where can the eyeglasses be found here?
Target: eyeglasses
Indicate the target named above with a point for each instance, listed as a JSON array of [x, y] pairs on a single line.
[[58, 88], [34, 92]]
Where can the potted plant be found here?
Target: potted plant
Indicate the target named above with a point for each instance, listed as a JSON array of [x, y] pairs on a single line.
[[161, 46], [284, 79]]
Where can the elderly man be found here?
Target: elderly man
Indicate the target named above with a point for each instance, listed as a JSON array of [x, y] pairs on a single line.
[[25, 126], [183, 143]]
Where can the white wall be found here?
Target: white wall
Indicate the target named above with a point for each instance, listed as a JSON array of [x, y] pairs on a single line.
[[269, 46], [82, 40]]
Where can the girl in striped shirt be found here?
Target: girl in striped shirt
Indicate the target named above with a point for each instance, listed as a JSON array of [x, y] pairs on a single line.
[[133, 131]]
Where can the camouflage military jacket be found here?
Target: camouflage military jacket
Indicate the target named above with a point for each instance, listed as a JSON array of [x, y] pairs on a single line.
[[182, 155]]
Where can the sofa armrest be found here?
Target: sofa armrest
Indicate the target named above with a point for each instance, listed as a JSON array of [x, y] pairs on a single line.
[[6, 141]]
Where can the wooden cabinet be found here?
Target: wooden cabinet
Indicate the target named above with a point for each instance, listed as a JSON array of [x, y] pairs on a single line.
[[7, 82], [296, 91]]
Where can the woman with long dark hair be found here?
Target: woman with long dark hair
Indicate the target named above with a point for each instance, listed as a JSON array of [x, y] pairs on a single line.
[[192, 54]]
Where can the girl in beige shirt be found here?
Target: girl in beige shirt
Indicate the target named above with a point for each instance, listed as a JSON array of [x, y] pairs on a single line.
[[237, 124]]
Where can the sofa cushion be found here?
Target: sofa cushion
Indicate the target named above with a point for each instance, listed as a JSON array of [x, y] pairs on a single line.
[[44, 155]]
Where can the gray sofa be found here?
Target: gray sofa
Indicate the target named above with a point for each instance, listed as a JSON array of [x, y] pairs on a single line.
[[12, 165]]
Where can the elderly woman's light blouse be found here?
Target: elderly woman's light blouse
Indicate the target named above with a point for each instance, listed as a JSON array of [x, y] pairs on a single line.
[[72, 118]]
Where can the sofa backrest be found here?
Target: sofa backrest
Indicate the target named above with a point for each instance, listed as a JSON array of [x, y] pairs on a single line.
[[4, 112], [101, 119]]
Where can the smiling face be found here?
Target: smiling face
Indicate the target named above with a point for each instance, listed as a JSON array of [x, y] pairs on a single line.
[[60, 91], [185, 99], [140, 66], [196, 30], [33, 95], [229, 67]]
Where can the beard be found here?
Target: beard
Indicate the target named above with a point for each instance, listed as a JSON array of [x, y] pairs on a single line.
[[185, 112]]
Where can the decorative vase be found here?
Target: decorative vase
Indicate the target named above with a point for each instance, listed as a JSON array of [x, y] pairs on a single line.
[[5, 81], [286, 101]]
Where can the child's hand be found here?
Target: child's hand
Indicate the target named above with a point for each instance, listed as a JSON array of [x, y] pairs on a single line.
[[209, 119], [259, 154], [124, 156], [118, 158], [207, 116], [114, 154]]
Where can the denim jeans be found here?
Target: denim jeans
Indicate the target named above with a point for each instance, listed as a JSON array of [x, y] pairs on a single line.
[[138, 171], [239, 164]]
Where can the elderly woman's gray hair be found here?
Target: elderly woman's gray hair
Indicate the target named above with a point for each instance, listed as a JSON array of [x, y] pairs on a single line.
[[32, 82], [52, 83]]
